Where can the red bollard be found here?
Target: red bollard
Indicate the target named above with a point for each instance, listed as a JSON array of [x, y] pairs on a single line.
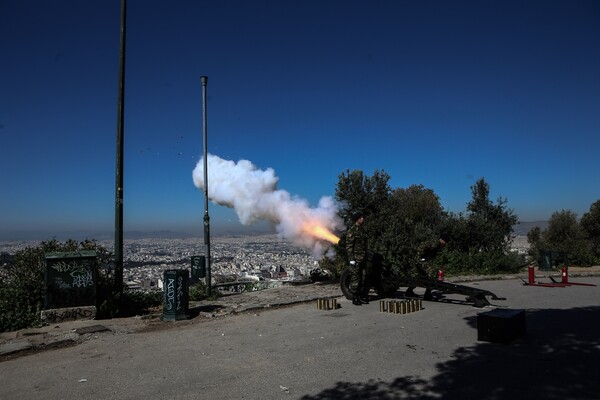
[[531, 272], [440, 274], [565, 279]]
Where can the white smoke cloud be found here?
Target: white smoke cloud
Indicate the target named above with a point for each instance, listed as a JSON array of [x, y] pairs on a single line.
[[254, 196]]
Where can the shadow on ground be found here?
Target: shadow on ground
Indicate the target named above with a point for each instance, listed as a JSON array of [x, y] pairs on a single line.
[[558, 359]]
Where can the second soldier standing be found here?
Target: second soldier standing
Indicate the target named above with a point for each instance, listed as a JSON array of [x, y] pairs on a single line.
[[356, 245]]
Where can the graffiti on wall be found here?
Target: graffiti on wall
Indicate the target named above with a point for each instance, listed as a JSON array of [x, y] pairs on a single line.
[[58, 315], [70, 281]]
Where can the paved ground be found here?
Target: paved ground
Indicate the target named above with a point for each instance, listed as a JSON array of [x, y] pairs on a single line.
[[238, 348]]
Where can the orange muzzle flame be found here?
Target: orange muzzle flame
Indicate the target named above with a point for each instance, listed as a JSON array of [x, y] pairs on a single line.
[[320, 232]]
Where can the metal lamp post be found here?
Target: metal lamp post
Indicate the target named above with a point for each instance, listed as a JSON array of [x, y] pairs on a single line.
[[118, 288], [204, 80]]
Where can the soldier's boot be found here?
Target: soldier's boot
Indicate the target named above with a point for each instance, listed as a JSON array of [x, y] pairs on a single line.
[[364, 299], [427, 295], [356, 301]]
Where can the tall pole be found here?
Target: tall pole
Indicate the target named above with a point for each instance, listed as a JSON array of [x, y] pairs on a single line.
[[118, 288], [204, 80]]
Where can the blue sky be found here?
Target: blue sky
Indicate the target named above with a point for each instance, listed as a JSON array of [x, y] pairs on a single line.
[[438, 93]]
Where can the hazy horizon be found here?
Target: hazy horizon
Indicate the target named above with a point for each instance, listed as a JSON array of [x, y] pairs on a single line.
[[520, 229]]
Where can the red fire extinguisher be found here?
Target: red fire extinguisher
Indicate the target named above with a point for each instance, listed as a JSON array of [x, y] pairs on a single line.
[[440, 274]]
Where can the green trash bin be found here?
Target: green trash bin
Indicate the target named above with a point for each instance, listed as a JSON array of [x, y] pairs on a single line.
[[198, 268], [176, 295], [545, 261], [70, 279], [549, 260]]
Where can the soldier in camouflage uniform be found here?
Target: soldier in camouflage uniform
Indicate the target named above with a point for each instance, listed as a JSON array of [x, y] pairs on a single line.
[[356, 245], [427, 252]]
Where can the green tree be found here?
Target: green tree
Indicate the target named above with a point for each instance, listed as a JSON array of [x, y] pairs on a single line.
[[412, 220], [401, 222], [397, 221], [356, 191], [536, 243], [490, 225], [590, 223], [481, 237], [564, 234]]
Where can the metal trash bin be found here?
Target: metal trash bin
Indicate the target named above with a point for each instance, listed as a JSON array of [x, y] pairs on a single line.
[[198, 268], [70, 279], [549, 260], [176, 295]]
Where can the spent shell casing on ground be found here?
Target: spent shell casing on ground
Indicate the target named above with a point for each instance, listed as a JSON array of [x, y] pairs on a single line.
[[321, 304]]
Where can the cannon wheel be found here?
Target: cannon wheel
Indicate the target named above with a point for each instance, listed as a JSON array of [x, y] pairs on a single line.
[[345, 283], [382, 290]]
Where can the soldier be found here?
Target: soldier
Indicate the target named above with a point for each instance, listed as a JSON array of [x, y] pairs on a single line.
[[356, 245], [427, 253]]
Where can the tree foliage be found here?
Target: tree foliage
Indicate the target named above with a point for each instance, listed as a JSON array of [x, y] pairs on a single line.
[[481, 238], [355, 192], [413, 219], [590, 223], [565, 234], [490, 225], [22, 281], [402, 222]]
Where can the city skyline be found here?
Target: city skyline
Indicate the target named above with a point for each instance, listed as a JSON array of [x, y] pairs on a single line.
[[433, 93]]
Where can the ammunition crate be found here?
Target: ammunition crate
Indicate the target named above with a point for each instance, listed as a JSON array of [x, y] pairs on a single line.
[[501, 325]]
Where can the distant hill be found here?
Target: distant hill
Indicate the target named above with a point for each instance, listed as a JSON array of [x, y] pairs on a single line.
[[520, 229], [523, 227], [99, 235], [41, 235]]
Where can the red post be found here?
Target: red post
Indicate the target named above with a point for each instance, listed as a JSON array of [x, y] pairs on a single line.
[[565, 278], [440, 274], [531, 272]]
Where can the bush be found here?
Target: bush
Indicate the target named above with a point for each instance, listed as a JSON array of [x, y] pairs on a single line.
[[564, 234], [197, 292], [461, 263], [22, 281], [136, 302]]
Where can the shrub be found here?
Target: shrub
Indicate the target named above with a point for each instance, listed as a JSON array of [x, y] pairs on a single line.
[[22, 281], [197, 292], [136, 302]]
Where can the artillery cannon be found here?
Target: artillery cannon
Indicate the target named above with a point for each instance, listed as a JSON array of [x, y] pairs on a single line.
[[386, 280]]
